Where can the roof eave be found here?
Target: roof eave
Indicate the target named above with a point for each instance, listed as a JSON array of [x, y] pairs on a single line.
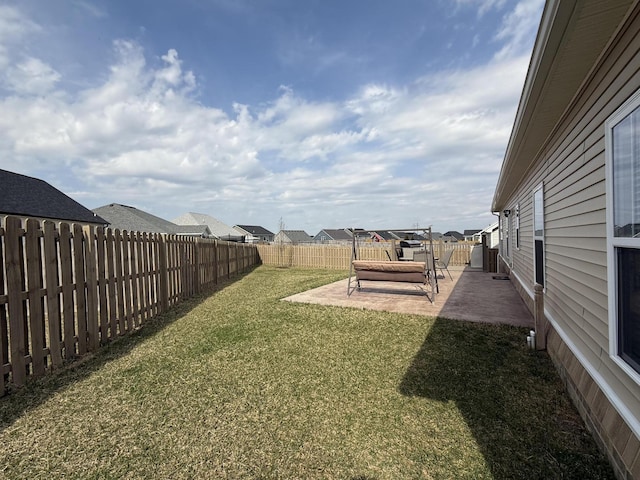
[[561, 65]]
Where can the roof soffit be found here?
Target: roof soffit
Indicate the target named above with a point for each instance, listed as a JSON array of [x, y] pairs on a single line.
[[571, 38]]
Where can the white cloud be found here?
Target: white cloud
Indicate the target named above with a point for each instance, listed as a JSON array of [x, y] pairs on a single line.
[[519, 28], [90, 8], [13, 28], [387, 155], [14, 25], [32, 76], [483, 6]]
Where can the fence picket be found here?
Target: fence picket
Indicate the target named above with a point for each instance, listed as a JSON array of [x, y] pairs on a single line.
[[102, 285], [133, 265], [126, 276], [143, 269], [53, 293], [34, 283], [120, 283], [163, 273], [4, 327], [66, 267], [17, 340], [111, 284], [80, 287], [91, 279]]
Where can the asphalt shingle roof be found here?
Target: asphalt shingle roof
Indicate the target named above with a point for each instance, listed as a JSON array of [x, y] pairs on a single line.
[[299, 236], [131, 219], [336, 234], [255, 229], [31, 197], [217, 228]]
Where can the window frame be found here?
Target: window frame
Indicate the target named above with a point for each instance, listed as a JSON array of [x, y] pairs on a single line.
[[538, 188], [613, 242], [516, 229], [506, 238]]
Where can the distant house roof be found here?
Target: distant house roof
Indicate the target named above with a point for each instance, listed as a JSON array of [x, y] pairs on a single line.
[[472, 232], [217, 228], [381, 235], [455, 234], [124, 217], [335, 234], [448, 239], [490, 228], [254, 229], [131, 219], [201, 230], [31, 197], [297, 236]]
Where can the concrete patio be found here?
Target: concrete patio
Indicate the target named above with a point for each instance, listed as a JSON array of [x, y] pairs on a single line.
[[472, 295]]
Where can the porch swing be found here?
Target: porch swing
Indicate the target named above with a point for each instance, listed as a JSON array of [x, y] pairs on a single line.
[[420, 270]]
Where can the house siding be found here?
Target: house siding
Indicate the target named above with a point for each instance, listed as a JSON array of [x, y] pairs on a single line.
[[571, 167]]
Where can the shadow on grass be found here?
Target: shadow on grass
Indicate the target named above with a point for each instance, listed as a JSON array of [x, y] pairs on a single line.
[[38, 390], [511, 399]]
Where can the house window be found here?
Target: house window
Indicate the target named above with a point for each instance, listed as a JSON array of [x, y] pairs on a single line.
[[516, 220], [623, 234], [538, 235], [505, 236]]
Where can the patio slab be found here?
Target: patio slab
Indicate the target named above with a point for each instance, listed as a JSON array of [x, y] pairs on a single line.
[[472, 295]]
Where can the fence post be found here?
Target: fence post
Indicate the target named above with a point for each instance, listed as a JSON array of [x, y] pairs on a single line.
[[539, 318]]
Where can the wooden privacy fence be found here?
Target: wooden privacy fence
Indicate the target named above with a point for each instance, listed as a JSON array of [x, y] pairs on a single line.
[[67, 289], [338, 256]]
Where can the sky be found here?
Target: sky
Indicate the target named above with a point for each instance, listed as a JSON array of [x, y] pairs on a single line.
[[309, 114]]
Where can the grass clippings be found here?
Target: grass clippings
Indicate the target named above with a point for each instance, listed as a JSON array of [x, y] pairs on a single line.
[[242, 385]]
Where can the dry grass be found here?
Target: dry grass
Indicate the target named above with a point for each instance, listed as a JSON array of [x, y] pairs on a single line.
[[242, 385]]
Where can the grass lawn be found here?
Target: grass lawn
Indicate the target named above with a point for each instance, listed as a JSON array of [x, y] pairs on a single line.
[[239, 384]]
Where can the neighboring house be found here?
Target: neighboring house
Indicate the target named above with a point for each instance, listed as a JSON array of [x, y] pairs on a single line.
[[448, 239], [131, 219], [492, 233], [329, 235], [454, 234], [218, 229], [29, 197], [568, 196], [293, 237], [380, 236], [472, 235], [255, 233]]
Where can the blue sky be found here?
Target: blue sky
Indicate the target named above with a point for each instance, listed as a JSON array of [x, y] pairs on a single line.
[[325, 114]]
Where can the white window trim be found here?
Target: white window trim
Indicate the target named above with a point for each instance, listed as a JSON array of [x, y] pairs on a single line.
[[516, 227], [506, 230], [612, 242], [535, 237]]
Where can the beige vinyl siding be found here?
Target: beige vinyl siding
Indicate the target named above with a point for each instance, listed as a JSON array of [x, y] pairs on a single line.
[[572, 168]]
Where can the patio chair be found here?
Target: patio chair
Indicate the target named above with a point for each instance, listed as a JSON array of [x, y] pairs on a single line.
[[442, 264]]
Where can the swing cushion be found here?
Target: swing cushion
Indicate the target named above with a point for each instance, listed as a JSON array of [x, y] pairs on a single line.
[[412, 272]]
